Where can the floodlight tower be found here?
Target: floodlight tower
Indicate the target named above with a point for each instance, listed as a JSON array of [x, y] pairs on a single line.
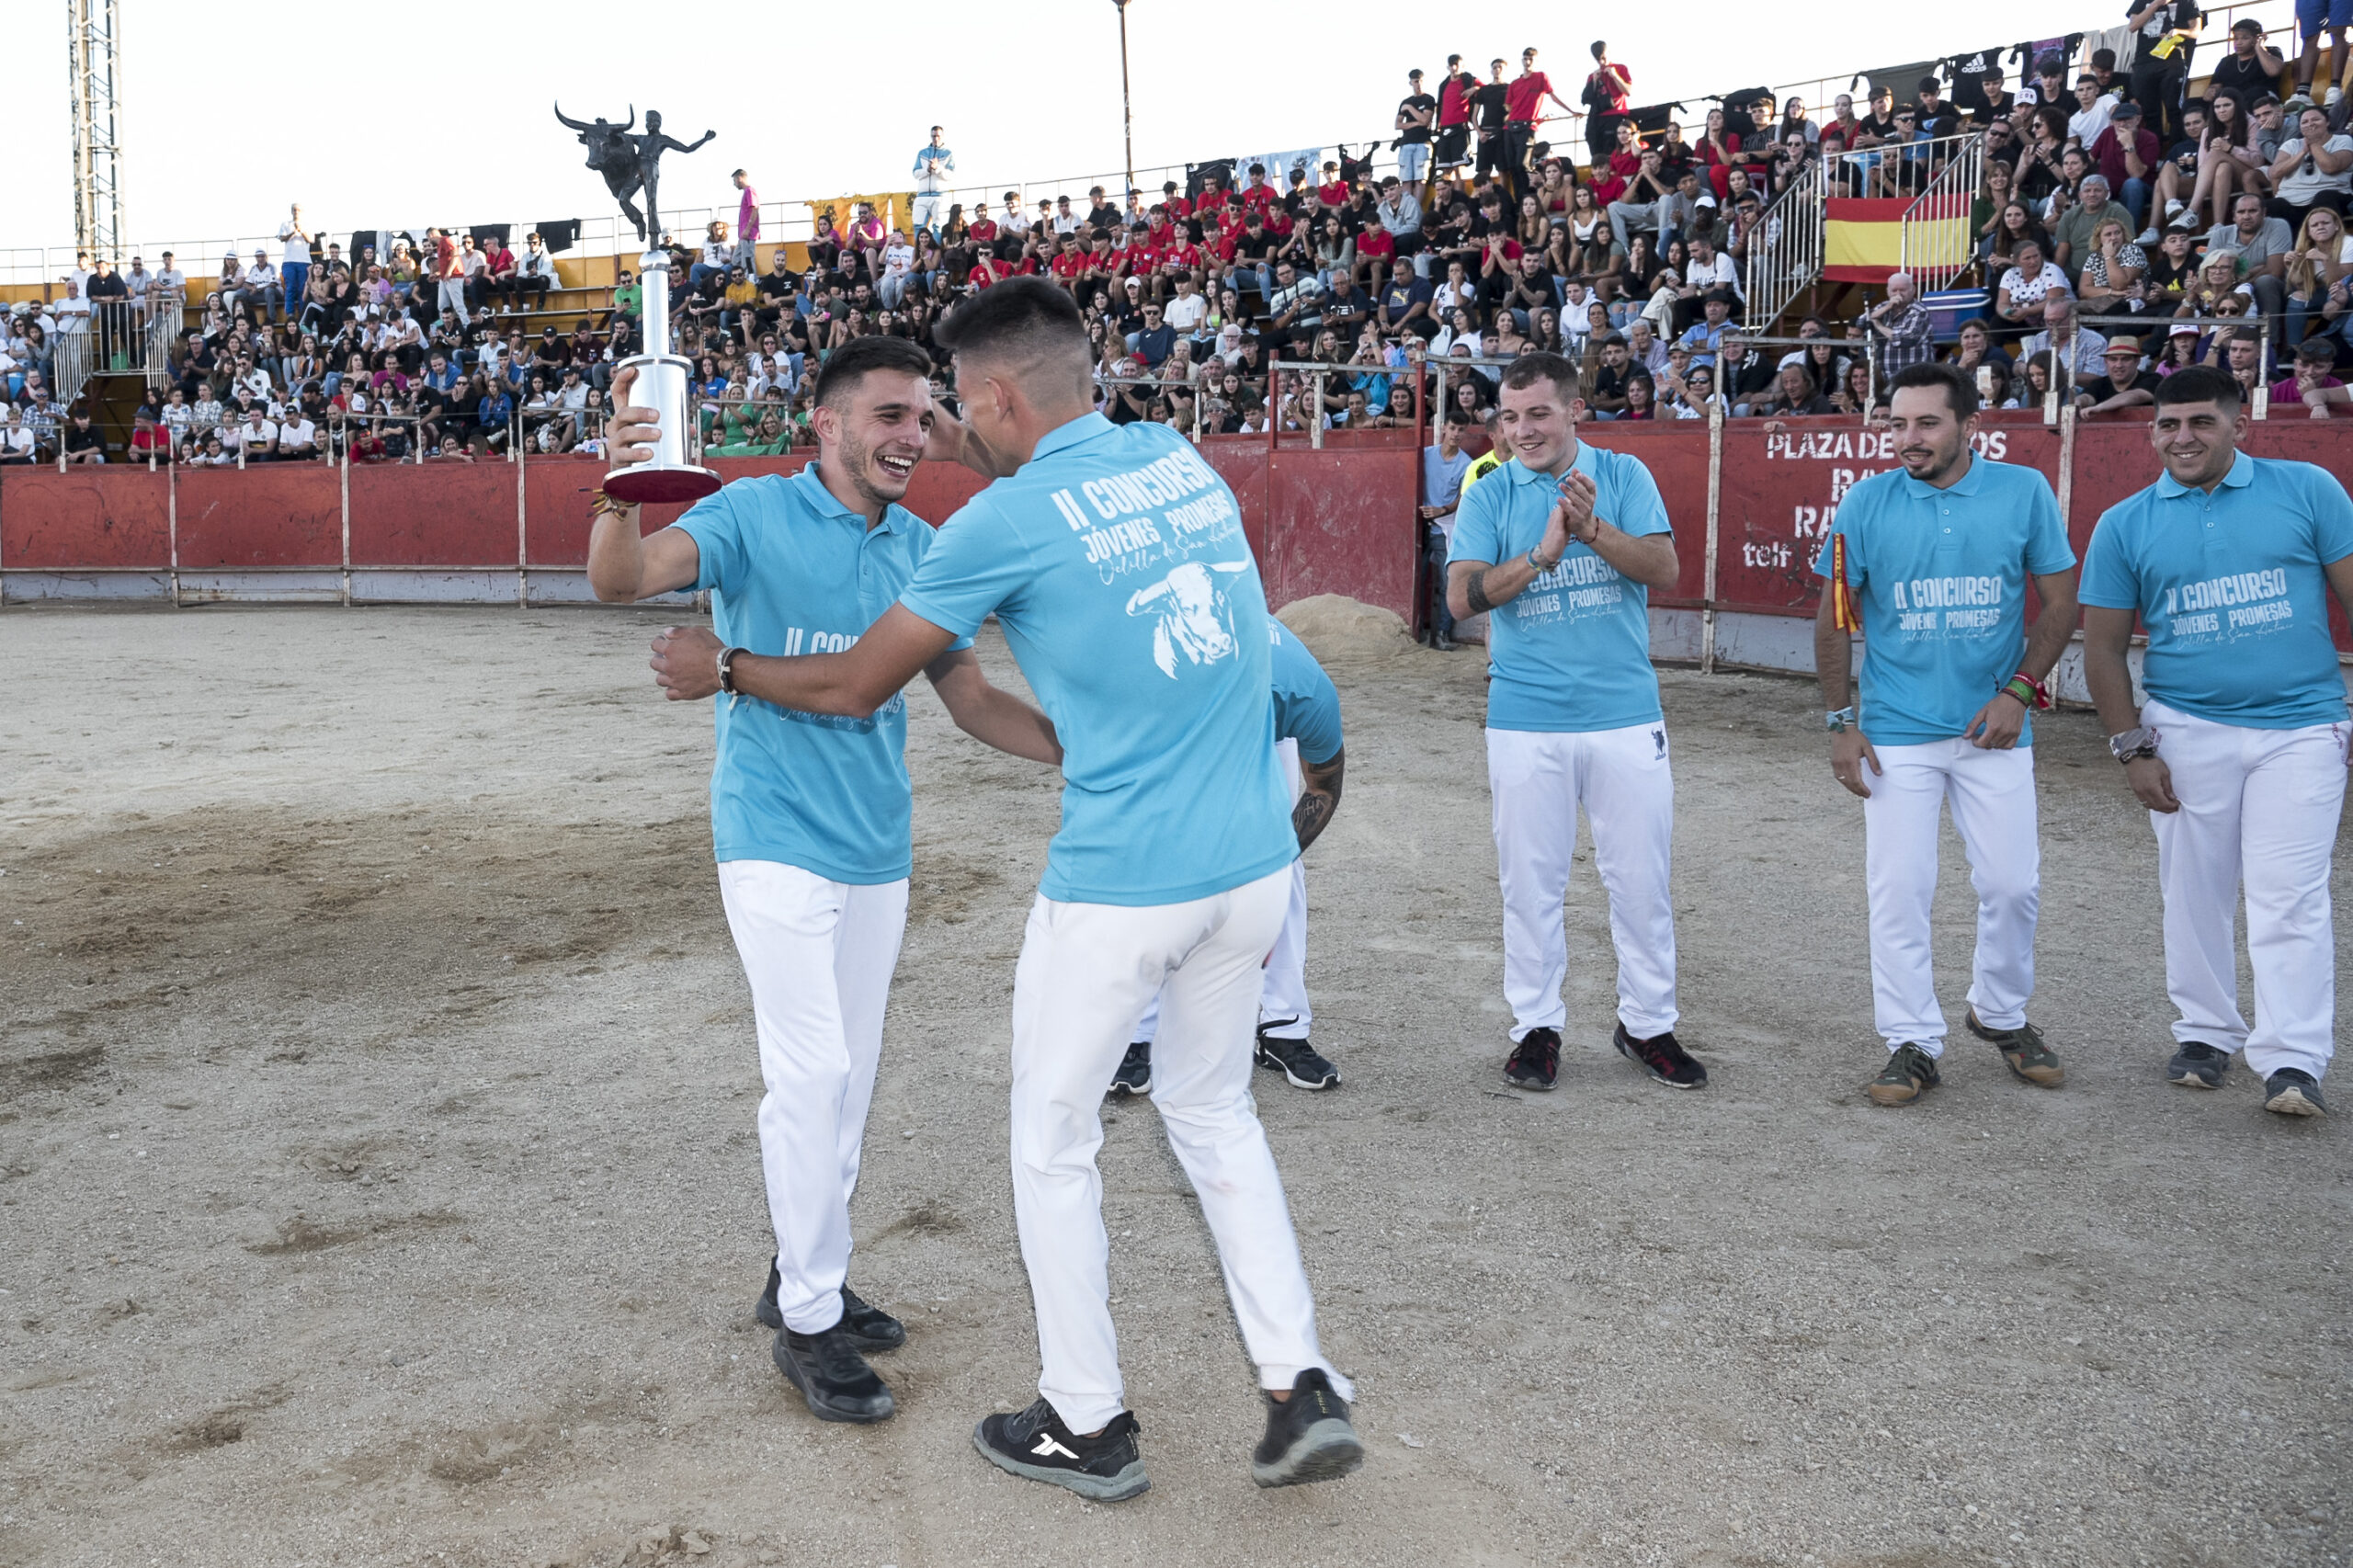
[[94, 58]]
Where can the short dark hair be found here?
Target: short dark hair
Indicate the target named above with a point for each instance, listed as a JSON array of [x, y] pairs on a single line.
[[1021, 314], [1959, 388], [1530, 369], [2199, 384], [851, 363]]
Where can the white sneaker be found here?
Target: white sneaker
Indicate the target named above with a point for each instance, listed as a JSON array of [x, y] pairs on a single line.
[[2336, 97], [2173, 208], [2148, 237]]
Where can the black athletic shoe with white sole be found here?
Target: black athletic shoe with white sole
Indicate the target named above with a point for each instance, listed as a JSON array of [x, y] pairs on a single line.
[[2292, 1090], [1036, 1445], [1662, 1058], [866, 1326], [832, 1376], [1135, 1076], [1535, 1062], [2198, 1066], [1299, 1062], [1309, 1435]]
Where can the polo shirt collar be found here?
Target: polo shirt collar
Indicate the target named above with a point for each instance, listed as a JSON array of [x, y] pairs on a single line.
[[1085, 427], [825, 504], [1969, 483], [1520, 474], [2241, 474]]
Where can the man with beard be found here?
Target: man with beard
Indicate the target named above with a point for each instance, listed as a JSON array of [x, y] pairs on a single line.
[[1931, 566], [810, 812]]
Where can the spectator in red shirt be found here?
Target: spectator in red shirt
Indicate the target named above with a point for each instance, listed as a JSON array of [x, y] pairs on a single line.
[[1611, 179], [1173, 199], [2126, 154], [1523, 106], [1259, 195], [983, 229], [1608, 90], [1454, 92], [1333, 190]]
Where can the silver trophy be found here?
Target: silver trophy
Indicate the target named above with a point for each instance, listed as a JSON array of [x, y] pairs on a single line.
[[671, 474]]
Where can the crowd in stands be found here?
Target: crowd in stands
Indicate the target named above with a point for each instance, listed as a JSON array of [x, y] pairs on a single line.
[[1251, 297]]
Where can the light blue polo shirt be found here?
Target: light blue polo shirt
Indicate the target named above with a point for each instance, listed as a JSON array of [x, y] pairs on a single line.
[[1307, 705], [2231, 589], [1939, 576], [791, 570], [1572, 652], [1115, 561]]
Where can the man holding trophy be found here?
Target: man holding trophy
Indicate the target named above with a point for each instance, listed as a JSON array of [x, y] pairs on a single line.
[[809, 812]]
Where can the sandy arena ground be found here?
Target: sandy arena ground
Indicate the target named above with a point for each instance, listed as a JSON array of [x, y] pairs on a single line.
[[379, 1183]]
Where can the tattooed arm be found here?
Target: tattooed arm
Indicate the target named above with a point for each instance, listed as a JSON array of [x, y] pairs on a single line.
[[1319, 798]]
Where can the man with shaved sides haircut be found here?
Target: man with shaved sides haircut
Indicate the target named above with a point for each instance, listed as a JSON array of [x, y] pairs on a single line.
[[810, 809], [1113, 558]]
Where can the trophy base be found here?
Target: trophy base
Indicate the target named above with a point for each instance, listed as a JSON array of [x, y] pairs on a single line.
[[644, 484]]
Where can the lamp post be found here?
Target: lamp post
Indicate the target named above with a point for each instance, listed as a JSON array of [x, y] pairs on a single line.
[[1127, 116]]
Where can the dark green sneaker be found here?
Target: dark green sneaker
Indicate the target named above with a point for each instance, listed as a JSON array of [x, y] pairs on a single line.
[[2023, 1049], [1911, 1073]]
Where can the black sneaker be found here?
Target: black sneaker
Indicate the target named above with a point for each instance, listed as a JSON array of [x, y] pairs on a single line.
[[1135, 1076], [1535, 1062], [1036, 1445], [832, 1376], [2292, 1090], [1308, 1436], [2198, 1066], [1298, 1061], [867, 1327], [1662, 1058]]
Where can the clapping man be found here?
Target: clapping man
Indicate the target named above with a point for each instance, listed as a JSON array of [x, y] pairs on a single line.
[[1563, 544]]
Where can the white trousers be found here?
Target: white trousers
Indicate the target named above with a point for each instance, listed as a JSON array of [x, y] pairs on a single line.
[[1283, 1010], [452, 297], [2258, 807], [1086, 970], [1992, 796], [819, 956], [1622, 778]]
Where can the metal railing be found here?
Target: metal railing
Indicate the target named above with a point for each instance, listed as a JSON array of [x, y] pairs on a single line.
[[1937, 244], [1785, 249]]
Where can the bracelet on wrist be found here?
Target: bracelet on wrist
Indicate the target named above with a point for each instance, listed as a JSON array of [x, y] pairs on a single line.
[[727, 670], [2030, 693]]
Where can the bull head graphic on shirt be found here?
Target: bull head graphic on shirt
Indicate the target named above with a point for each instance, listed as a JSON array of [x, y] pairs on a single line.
[[1194, 619]]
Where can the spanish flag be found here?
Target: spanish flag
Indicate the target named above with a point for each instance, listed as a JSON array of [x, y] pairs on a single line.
[[1864, 241]]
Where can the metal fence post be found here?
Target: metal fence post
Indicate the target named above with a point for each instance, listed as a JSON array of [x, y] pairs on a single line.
[[522, 532], [344, 477], [1316, 415], [172, 525], [1715, 499]]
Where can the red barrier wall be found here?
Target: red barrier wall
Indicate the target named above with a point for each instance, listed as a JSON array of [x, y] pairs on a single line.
[[86, 517], [433, 515], [1335, 520], [278, 515]]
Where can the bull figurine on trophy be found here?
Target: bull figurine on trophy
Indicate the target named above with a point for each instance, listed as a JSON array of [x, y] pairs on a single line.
[[632, 163]]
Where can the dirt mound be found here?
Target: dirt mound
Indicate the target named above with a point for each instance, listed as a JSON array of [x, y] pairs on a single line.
[[1334, 626]]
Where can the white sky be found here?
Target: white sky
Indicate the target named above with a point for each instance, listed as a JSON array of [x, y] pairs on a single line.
[[225, 124]]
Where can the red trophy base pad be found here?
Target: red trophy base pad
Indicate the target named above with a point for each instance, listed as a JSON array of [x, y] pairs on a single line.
[[661, 486]]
